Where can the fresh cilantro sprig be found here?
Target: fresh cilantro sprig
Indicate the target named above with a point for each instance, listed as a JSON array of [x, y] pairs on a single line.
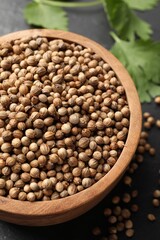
[[141, 4], [50, 14], [125, 22], [142, 59], [39, 13], [133, 45]]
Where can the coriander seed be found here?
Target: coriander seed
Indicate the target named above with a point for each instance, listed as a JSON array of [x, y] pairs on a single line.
[[64, 120], [13, 192], [31, 197]]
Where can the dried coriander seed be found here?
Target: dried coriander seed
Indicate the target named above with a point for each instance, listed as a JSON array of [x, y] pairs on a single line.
[[13, 192], [31, 197], [2, 183], [151, 217], [22, 196], [83, 142], [96, 231], [156, 202], [86, 182], [58, 134], [74, 118], [129, 233], [47, 184], [66, 128]]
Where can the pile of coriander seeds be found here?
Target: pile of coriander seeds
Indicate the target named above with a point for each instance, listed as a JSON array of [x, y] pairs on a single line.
[[64, 118]]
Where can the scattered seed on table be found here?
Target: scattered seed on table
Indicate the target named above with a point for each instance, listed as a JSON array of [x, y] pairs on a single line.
[[157, 99], [158, 123], [151, 217], [134, 208], [96, 231], [115, 199], [128, 224], [134, 193], [126, 198], [127, 180], [156, 193], [156, 202], [146, 115], [107, 212], [129, 233]]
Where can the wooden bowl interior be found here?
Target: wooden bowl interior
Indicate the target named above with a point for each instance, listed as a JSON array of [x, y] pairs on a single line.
[[61, 210]]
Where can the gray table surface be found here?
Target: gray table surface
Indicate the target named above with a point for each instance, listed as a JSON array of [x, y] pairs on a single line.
[[92, 23]]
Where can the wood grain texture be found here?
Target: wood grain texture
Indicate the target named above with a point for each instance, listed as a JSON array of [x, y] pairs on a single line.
[[61, 210]]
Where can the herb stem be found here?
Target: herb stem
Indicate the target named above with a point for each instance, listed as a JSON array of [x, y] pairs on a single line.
[[115, 37], [70, 4]]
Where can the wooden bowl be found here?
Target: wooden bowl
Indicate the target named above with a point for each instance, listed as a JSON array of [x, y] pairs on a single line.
[[56, 211]]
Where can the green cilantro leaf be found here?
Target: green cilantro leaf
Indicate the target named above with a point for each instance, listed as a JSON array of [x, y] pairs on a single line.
[[125, 22], [142, 60], [47, 16], [142, 4]]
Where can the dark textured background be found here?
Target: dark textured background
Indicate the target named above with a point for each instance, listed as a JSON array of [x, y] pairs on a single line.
[[92, 23]]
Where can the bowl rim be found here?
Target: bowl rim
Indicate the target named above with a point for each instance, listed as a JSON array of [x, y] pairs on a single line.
[[56, 207]]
